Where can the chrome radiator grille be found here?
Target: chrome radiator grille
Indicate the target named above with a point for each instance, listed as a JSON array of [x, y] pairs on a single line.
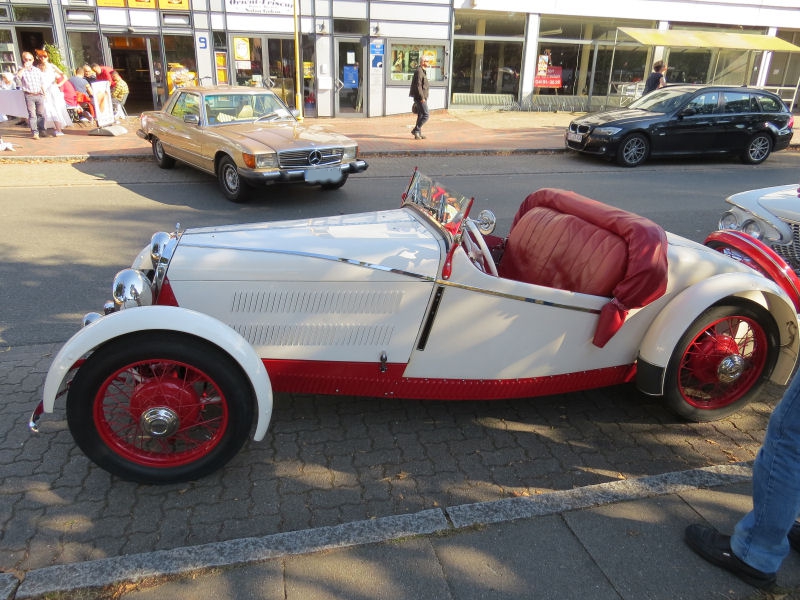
[[310, 158], [790, 252]]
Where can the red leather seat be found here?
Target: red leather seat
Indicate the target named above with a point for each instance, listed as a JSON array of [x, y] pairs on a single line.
[[563, 240]]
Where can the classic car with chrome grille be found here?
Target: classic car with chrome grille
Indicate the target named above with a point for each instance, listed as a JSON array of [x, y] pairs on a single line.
[[418, 302], [771, 216], [247, 138]]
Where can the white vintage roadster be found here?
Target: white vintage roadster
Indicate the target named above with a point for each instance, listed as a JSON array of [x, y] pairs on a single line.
[[418, 302]]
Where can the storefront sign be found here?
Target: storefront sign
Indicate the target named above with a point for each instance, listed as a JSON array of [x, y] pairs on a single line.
[[550, 79], [241, 48], [173, 4], [140, 3], [261, 7], [114, 3]]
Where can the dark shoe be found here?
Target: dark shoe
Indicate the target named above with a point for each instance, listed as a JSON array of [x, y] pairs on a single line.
[[716, 549], [417, 135], [794, 537]]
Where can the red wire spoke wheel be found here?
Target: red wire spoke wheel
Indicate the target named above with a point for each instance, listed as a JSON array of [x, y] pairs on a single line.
[[721, 361], [160, 408], [160, 413]]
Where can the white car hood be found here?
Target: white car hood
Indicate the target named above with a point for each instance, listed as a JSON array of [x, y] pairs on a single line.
[[380, 244], [782, 201]]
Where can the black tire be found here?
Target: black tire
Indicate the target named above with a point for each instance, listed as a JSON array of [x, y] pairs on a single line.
[[233, 187], [721, 362], [337, 185], [162, 159], [758, 149], [633, 150], [160, 407]]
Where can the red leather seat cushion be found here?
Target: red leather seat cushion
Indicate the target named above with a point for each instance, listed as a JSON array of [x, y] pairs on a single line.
[[563, 251], [563, 240]]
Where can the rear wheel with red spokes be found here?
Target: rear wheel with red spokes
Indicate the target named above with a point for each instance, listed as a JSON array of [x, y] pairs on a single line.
[[159, 408], [721, 362]]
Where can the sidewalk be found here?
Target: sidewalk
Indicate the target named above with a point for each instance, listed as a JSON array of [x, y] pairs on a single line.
[[619, 540], [447, 132]]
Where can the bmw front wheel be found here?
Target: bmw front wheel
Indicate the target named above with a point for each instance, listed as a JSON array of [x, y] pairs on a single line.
[[633, 150]]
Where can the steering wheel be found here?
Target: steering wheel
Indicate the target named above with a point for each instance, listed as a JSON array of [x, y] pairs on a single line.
[[477, 250]]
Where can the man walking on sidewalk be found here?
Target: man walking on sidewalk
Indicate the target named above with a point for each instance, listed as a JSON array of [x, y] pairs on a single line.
[[32, 84], [419, 92], [761, 540]]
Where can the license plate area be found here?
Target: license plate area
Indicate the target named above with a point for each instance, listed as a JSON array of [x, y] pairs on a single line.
[[575, 137], [324, 175]]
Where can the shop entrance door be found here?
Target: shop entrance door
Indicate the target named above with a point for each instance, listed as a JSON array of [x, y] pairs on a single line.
[[351, 55], [138, 61]]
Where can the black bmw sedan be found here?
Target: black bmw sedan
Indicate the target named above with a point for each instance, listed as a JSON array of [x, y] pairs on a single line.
[[687, 119]]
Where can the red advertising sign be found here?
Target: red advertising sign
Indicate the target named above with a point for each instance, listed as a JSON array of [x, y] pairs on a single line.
[[550, 79]]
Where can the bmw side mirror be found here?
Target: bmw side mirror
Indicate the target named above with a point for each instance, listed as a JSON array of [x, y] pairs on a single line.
[[687, 112]]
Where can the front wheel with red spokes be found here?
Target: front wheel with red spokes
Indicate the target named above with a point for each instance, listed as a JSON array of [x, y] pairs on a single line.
[[159, 408], [721, 362]]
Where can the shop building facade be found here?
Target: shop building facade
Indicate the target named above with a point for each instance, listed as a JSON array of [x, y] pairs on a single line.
[[355, 58]]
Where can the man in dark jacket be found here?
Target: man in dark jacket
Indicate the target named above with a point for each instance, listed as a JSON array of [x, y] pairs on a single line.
[[419, 92]]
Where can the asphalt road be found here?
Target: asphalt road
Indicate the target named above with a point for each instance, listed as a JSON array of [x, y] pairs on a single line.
[[68, 228]]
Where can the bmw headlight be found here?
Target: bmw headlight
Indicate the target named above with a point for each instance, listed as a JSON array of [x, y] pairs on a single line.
[[606, 130], [131, 289], [350, 153]]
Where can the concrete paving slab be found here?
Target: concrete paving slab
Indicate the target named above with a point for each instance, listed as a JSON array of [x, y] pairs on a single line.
[[639, 546], [262, 581], [389, 571], [534, 558]]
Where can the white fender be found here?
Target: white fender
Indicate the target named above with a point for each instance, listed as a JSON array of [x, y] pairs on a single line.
[[675, 318], [169, 318]]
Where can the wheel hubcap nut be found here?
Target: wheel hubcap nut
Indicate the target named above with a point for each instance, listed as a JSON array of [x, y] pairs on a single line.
[[160, 421], [731, 368]]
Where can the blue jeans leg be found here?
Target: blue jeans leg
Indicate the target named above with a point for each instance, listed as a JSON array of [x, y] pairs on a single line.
[[760, 537]]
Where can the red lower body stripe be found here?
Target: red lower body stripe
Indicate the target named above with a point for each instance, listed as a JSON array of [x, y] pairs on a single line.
[[367, 380]]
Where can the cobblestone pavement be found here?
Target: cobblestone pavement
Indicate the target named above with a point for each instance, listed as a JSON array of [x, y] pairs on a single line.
[[332, 460]]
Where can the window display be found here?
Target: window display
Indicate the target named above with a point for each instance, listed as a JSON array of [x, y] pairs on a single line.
[[405, 58]]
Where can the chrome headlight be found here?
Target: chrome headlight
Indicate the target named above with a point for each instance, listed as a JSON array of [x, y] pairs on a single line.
[[349, 153], [753, 229], [606, 130], [728, 220], [131, 289]]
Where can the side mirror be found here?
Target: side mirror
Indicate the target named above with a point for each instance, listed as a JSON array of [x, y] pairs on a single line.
[[191, 119], [687, 112]]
